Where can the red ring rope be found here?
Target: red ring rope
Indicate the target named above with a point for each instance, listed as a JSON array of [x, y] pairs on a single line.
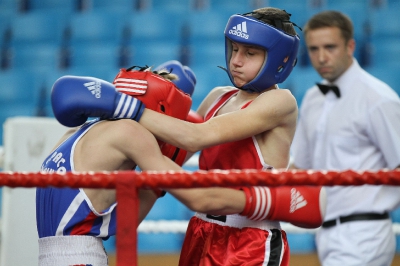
[[184, 179]]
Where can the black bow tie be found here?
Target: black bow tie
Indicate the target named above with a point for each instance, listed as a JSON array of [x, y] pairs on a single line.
[[325, 88]]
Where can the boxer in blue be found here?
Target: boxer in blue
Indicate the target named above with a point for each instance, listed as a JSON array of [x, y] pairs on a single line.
[[71, 222]]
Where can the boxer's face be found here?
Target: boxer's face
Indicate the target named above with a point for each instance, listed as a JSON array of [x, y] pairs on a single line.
[[245, 63], [329, 52]]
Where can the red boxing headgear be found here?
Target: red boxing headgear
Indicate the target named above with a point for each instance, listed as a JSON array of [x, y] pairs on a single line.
[[154, 91]]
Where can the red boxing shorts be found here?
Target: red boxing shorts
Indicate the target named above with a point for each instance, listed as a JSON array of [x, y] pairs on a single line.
[[233, 240]]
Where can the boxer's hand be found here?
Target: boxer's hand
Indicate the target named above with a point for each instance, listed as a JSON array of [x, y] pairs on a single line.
[[74, 99], [303, 206]]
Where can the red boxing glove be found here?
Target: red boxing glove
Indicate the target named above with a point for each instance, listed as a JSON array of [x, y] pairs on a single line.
[[155, 92], [303, 206], [194, 117], [175, 154]]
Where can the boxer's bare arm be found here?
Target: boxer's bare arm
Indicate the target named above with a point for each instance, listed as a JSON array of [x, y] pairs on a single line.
[[120, 145], [126, 145], [269, 110], [215, 201], [147, 198], [123, 139], [147, 155]]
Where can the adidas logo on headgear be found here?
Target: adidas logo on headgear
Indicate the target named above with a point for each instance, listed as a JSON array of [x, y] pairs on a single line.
[[94, 87], [240, 30]]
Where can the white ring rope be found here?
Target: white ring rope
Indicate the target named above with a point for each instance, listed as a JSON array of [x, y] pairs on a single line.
[[180, 226]]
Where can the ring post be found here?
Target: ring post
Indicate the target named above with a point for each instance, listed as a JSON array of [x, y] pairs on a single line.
[[127, 219]]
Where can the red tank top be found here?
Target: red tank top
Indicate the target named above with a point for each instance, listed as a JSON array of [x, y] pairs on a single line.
[[242, 154]]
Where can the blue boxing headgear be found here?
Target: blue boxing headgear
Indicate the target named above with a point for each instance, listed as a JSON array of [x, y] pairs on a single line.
[[186, 77], [281, 50]]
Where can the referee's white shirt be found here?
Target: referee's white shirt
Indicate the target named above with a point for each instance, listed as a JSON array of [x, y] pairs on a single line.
[[358, 131]]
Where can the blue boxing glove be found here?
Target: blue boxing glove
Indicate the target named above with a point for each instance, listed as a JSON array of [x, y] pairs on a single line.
[[186, 78], [74, 99]]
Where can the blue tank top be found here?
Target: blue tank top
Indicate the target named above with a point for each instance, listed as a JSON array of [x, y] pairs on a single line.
[[68, 211]]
